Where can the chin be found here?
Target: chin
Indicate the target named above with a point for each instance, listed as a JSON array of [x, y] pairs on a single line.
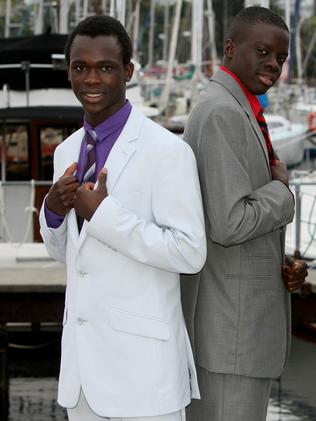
[[260, 91]]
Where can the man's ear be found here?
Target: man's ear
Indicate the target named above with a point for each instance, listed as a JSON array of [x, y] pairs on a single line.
[[229, 48], [129, 70]]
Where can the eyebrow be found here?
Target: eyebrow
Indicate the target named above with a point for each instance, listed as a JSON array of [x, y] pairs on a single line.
[[267, 46], [98, 62]]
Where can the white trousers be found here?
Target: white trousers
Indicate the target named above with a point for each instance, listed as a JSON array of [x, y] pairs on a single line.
[[82, 412]]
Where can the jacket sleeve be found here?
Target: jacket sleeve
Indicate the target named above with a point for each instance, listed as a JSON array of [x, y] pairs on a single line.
[[235, 211], [174, 239], [54, 238]]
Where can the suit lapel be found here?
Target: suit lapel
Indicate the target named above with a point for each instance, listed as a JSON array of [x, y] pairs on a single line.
[[260, 136], [72, 155], [122, 151], [235, 90]]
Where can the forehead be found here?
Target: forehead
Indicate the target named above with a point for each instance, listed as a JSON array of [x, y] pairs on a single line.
[[262, 33], [103, 47]]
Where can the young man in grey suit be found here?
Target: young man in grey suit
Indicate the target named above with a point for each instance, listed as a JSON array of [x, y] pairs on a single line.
[[239, 315]]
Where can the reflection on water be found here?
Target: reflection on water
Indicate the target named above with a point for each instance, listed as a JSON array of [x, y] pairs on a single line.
[[292, 399], [34, 399]]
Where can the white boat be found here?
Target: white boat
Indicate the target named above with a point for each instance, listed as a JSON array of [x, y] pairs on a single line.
[[288, 139], [32, 124]]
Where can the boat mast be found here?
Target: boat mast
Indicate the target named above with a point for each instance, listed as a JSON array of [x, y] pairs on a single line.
[[121, 11], [197, 45], [85, 8], [165, 31], [288, 14], [7, 19], [211, 29], [297, 40], [38, 19], [151, 34], [136, 29], [197, 37], [63, 16], [172, 54]]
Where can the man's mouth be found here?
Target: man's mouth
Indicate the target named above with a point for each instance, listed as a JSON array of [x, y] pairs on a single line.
[[93, 95], [266, 80]]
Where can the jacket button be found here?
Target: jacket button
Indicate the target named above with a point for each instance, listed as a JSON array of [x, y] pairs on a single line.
[[80, 320]]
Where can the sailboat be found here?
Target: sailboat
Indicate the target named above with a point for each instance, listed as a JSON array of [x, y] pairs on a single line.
[[37, 111]]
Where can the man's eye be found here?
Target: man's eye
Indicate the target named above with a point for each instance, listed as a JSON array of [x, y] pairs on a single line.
[[107, 68], [282, 59], [79, 68], [262, 51]]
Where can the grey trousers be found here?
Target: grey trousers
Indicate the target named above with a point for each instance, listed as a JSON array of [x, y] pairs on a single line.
[[226, 397]]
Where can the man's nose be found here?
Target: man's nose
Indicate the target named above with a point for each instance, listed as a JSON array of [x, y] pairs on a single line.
[[272, 63], [92, 77]]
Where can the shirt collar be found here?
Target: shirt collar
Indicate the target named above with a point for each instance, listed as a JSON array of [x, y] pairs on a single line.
[[111, 124], [253, 100]]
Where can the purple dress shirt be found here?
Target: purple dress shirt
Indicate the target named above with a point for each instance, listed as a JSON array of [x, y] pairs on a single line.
[[107, 134]]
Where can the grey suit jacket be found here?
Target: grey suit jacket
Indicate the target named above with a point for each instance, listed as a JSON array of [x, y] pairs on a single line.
[[237, 308]]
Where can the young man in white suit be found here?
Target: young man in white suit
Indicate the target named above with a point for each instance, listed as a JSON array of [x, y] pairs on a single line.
[[240, 316], [125, 235]]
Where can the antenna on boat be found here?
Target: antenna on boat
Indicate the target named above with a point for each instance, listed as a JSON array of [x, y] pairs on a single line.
[[262, 3]]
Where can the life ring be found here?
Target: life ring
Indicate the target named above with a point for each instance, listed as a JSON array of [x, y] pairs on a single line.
[[311, 121]]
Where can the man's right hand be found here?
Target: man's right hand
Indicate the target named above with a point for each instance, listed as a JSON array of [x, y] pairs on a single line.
[[279, 172], [60, 197]]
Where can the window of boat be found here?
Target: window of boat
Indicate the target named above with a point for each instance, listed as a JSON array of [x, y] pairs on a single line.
[[50, 138], [274, 124], [14, 152]]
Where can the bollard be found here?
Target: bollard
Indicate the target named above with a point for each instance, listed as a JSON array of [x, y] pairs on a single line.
[[297, 252], [4, 374]]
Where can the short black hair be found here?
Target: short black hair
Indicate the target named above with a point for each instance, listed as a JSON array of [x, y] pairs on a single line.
[[253, 15], [93, 26]]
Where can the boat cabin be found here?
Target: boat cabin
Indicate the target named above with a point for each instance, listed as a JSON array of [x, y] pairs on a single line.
[[28, 138]]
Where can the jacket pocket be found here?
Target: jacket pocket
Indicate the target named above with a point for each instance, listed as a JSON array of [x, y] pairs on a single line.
[[139, 325]]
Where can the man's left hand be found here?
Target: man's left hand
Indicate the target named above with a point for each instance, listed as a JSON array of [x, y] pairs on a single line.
[[294, 273], [87, 200]]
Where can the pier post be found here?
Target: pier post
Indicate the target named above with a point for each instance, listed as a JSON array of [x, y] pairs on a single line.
[[297, 252], [4, 374]]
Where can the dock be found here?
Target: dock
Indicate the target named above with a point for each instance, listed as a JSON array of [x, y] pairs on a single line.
[[32, 290]]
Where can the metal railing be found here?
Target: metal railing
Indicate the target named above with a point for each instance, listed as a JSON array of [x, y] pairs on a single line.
[[299, 180]]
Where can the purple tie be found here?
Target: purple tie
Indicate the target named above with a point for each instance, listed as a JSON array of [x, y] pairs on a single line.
[[89, 173]]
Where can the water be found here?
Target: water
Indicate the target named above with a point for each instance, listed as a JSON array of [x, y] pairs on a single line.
[[34, 399], [33, 386]]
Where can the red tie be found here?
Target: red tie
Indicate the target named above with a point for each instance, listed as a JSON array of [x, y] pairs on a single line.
[[264, 128]]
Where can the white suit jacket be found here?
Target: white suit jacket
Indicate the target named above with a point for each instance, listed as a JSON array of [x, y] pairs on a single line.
[[124, 337]]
